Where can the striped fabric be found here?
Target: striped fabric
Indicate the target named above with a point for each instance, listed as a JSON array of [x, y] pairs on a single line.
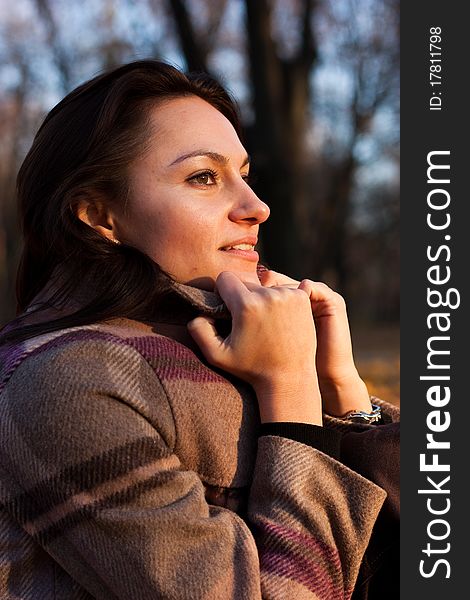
[[131, 469]]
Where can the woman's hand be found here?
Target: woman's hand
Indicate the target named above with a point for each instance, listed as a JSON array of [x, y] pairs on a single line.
[[341, 387], [271, 346]]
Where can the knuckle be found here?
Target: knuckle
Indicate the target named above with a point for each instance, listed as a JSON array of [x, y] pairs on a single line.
[[300, 294], [303, 301], [250, 306], [215, 357], [335, 296], [338, 300], [273, 299], [223, 275]]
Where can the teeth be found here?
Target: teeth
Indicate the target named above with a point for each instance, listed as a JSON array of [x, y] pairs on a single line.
[[239, 247]]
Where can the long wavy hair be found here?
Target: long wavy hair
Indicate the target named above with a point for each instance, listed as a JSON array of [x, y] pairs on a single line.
[[84, 148]]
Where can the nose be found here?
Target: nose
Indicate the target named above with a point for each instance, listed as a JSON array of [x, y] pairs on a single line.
[[248, 208]]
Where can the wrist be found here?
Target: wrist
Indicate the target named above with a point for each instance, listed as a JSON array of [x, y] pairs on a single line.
[[294, 398], [343, 395]]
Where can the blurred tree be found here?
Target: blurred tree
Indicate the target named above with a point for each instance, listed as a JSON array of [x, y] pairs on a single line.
[[366, 52], [196, 42], [59, 52], [281, 102], [17, 118]]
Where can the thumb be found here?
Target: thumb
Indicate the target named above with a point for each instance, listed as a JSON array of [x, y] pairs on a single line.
[[204, 333]]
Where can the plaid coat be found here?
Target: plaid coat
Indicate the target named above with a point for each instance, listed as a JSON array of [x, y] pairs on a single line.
[[132, 469]]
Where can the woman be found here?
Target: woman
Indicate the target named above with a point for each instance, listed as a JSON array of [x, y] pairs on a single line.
[[162, 396]]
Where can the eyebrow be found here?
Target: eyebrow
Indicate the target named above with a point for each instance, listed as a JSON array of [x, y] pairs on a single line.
[[215, 156]]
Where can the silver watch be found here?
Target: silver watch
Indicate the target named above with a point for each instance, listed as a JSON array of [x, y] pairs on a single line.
[[361, 416]]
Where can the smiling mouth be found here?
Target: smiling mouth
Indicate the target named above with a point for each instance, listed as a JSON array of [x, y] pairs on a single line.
[[245, 252], [239, 247]]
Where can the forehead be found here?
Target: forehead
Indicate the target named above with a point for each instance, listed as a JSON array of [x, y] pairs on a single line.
[[181, 125]]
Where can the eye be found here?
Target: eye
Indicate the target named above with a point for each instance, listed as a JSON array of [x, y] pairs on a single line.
[[207, 177]]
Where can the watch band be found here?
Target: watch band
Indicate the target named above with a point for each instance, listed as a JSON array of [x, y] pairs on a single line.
[[361, 416]]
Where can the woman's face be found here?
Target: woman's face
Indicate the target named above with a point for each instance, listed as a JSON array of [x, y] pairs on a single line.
[[190, 207]]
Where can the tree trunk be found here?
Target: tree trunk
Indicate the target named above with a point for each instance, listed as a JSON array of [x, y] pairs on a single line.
[[329, 253], [281, 101]]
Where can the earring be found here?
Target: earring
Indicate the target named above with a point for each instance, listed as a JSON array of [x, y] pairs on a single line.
[[115, 241]]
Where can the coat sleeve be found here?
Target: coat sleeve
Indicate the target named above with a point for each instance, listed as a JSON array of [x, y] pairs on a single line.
[[89, 472]]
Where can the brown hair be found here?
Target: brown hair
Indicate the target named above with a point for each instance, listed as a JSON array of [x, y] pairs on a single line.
[[84, 147]]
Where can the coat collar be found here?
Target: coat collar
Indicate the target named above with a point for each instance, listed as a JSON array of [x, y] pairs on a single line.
[[208, 303], [182, 302], [177, 305]]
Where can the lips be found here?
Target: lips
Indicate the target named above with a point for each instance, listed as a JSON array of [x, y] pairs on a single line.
[[239, 247], [246, 244], [243, 248]]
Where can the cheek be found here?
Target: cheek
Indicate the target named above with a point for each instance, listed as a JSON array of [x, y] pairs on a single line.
[[178, 228]]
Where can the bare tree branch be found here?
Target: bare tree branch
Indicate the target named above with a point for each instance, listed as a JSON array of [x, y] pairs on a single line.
[[307, 54], [60, 57], [194, 48]]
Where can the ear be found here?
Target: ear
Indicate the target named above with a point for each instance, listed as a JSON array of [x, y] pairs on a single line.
[[95, 213]]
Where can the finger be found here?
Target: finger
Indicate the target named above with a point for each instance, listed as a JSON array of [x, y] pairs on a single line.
[[204, 333], [320, 293], [232, 290], [317, 290], [272, 278]]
